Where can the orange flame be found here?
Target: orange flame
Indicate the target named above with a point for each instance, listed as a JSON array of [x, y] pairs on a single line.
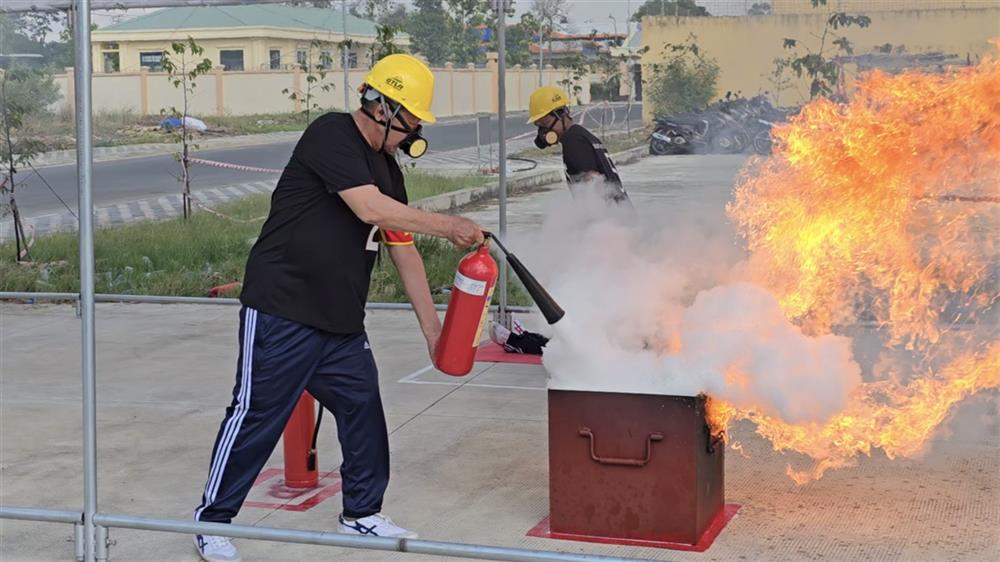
[[883, 208]]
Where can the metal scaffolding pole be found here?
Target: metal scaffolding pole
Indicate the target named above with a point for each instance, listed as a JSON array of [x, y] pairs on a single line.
[[158, 299], [344, 58], [84, 164], [413, 546], [501, 8]]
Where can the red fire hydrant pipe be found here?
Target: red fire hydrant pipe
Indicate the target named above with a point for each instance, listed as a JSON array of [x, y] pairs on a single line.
[[297, 443]]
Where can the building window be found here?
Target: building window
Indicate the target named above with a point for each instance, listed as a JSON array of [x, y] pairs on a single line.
[[300, 57], [112, 61], [325, 60], [231, 59], [153, 60], [352, 60], [275, 59]]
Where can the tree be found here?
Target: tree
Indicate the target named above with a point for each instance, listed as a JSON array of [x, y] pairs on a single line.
[[551, 16], [449, 30], [314, 66], [577, 69], [669, 8], [519, 38], [381, 12], [685, 80], [814, 63], [759, 9], [29, 32], [23, 94], [427, 29], [465, 29], [183, 69]]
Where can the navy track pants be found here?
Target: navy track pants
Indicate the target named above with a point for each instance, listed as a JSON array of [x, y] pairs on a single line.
[[278, 360]]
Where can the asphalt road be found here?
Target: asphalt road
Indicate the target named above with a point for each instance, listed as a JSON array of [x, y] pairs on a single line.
[[154, 176]]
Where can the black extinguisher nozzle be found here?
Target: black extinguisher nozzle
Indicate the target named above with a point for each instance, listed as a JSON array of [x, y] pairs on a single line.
[[548, 306]]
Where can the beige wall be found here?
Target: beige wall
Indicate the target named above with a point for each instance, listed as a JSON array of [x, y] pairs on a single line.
[[868, 6], [457, 91], [745, 47]]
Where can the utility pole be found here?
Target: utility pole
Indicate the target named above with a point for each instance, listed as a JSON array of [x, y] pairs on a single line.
[[344, 57]]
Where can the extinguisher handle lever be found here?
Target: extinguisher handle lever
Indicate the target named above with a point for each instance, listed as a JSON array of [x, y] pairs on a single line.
[[489, 235]]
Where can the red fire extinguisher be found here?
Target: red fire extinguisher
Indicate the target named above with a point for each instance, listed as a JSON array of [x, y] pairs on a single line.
[[467, 312]]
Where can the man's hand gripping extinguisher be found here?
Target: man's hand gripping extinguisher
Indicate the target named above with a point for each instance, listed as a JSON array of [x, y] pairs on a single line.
[[468, 307]]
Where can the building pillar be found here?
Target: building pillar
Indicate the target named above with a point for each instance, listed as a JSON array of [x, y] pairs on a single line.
[[450, 69], [143, 90], [475, 78], [492, 64], [220, 104], [297, 86], [70, 91]]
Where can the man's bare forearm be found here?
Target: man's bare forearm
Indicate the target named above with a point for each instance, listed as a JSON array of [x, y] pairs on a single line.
[[374, 207], [411, 271]]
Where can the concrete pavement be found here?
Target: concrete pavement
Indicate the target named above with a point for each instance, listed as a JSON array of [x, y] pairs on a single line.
[[469, 454]]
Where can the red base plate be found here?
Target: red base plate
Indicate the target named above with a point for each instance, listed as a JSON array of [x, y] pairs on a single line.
[[493, 353], [707, 538]]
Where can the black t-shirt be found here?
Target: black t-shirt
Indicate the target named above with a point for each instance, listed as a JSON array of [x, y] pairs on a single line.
[[583, 152], [313, 260]]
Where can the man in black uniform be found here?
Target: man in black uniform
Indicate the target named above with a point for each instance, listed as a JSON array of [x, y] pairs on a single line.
[[305, 288], [586, 159]]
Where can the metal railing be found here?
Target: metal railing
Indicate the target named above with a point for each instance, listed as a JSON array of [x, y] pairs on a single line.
[[90, 536], [162, 299], [105, 521]]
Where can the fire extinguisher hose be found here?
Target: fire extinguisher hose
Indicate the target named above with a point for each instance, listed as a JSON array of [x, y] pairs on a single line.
[[548, 306]]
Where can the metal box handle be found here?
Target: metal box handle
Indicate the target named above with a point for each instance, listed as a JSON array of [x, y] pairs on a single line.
[[586, 432]]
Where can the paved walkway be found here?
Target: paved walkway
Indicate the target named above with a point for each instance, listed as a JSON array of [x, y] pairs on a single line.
[[469, 455]]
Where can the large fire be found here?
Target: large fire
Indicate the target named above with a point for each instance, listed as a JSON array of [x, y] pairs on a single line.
[[883, 211]]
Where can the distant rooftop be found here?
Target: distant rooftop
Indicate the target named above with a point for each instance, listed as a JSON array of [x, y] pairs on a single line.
[[260, 15]]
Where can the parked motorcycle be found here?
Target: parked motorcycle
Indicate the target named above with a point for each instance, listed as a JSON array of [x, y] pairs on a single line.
[[730, 126]]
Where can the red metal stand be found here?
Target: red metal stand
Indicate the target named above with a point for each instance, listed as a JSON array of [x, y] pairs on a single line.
[[297, 443]]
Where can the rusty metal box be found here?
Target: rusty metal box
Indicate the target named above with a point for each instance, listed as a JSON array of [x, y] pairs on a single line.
[[633, 467]]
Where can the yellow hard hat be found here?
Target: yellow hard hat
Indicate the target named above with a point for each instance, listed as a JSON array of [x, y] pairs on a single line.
[[545, 100], [407, 81]]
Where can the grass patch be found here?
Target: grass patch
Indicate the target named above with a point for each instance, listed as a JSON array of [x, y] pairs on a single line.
[[188, 258], [420, 185], [257, 124]]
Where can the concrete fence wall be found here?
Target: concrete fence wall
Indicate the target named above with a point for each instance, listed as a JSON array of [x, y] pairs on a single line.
[[457, 91]]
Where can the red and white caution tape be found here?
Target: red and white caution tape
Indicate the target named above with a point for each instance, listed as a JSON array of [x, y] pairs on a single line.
[[205, 207], [228, 166]]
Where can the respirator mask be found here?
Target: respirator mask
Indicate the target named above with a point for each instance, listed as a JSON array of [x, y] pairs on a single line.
[[414, 144], [547, 137]]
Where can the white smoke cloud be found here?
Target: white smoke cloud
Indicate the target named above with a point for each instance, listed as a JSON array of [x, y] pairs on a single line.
[[658, 311]]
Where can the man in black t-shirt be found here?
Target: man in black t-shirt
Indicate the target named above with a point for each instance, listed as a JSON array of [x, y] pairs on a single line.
[[302, 323], [587, 161]]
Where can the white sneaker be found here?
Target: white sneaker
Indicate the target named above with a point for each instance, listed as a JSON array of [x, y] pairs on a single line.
[[377, 525], [499, 334], [516, 327], [216, 549]]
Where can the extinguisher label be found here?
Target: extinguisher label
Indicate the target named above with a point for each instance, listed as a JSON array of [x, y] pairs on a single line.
[[471, 286], [482, 320]]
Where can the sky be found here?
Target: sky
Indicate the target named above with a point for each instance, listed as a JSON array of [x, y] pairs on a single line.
[[584, 15]]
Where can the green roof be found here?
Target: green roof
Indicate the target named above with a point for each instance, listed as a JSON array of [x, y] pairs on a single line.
[[270, 15]]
